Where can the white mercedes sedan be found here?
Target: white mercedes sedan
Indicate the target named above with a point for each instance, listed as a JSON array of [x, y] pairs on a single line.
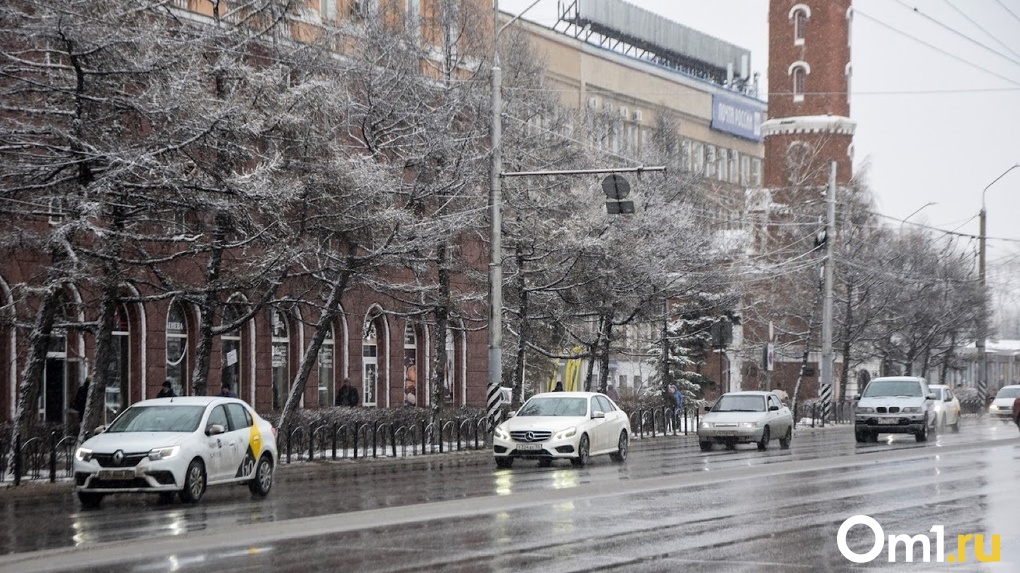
[[745, 418], [563, 425], [171, 446]]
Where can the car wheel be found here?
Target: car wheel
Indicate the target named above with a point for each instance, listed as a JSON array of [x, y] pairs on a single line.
[[956, 425], [262, 481], [504, 463], [194, 482], [784, 442], [620, 455], [872, 437], [731, 445], [544, 462], [583, 452], [764, 443], [90, 499], [705, 446], [861, 436], [922, 434]]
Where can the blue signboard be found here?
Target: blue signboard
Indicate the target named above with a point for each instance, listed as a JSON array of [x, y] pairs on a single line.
[[736, 117]]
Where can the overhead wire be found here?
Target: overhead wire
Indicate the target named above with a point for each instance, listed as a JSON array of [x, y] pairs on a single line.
[[956, 32], [982, 28]]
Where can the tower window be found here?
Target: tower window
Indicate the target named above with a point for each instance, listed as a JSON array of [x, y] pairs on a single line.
[[799, 16], [798, 72]]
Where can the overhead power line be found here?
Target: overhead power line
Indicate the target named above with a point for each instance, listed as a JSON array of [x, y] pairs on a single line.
[[956, 32], [936, 48]]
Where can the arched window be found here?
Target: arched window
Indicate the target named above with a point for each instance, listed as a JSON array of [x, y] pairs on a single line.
[[118, 393], [411, 391], [327, 354], [369, 362], [798, 72], [281, 356], [799, 16], [230, 371], [450, 379], [177, 349]]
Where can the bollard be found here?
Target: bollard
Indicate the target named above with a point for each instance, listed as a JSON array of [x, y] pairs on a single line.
[[357, 432], [375, 437], [17, 460], [53, 457], [334, 441], [423, 438], [289, 439]]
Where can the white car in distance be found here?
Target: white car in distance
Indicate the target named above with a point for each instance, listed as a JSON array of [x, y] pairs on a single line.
[[946, 406]]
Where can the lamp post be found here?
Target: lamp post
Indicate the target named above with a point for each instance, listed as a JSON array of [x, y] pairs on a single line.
[[922, 208], [983, 317], [492, 393]]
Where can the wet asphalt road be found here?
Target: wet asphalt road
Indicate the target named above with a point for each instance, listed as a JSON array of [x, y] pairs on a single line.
[[669, 508]]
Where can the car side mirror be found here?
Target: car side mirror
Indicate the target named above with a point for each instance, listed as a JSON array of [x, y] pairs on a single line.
[[214, 429], [857, 396], [598, 414], [99, 430], [511, 414], [708, 408], [773, 408], [932, 396]]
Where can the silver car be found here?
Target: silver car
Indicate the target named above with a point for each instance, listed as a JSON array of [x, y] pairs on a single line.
[[746, 418], [895, 405], [1001, 407]]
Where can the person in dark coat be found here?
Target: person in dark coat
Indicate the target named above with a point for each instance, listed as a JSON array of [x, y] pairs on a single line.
[[347, 396], [167, 391], [226, 392]]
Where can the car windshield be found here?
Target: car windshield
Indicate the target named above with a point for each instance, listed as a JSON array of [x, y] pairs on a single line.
[[555, 407], [1008, 393], [158, 419], [740, 404], [904, 388]]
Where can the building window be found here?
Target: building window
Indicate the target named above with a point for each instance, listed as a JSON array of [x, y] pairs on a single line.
[[723, 163], [799, 24], [448, 380], [710, 161], [230, 371], [177, 348], [411, 391], [623, 381], [799, 16], [756, 172], [798, 84], [117, 395], [369, 362], [698, 158], [327, 357], [280, 356], [745, 170], [327, 10]]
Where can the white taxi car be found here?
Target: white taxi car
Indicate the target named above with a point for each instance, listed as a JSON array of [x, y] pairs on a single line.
[[177, 446], [563, 425], [947, 407]]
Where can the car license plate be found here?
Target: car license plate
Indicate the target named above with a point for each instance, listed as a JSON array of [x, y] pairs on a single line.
[[529, 446], [116, 474], [891, 422]]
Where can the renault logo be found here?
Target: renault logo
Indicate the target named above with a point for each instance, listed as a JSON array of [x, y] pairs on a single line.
[[118, 457], [530, 436]]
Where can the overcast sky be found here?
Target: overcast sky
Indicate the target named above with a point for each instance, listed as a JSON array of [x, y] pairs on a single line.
[[936, 98]]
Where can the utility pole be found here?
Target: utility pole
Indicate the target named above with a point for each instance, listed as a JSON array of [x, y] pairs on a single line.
[[825, 379], [982, 334]]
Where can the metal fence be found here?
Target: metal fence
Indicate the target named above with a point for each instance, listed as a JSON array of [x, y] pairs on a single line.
[[47, 457]]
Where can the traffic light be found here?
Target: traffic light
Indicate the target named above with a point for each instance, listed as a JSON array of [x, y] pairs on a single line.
[[616, 189]]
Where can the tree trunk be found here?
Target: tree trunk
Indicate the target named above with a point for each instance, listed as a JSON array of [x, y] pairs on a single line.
[[35, 363]]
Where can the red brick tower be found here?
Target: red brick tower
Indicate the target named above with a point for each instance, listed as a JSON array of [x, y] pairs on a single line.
[[808, 122]]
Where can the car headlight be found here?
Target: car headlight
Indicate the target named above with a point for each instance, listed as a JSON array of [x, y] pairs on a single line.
[[565, 434], [748, 424], [912, 410], [164, 453], [501, 433], [993, 408], [865, 410], [83, 454], [706, 424]]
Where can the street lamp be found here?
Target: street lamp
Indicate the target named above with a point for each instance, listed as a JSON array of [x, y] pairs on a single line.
[[983, 317], [492, 392], [923, 207]]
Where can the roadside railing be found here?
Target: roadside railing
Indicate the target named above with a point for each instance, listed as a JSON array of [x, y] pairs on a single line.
[[46, 456]]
